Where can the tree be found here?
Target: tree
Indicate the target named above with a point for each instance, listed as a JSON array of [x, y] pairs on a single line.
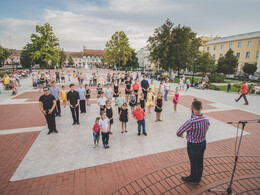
[[63, 58], [228, 63], [26, 58], [205, 63], [250, 68], [70, 61], [133, 62], [118, 49], [4, 54], [173, 47]]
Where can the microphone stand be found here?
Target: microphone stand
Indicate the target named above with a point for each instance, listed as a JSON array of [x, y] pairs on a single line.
[[243, 122]]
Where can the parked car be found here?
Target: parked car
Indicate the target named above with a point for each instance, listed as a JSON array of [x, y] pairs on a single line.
[[230, 76], [242, 76]]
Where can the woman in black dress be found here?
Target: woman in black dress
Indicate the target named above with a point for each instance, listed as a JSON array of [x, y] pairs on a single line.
[[87, 94], [158, 106], [116, 92], [142, 102], [124, 116], [127, 88], [99, 90], [109, 113]]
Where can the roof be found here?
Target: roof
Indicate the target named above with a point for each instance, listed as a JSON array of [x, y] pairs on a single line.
[[15, 52], [74, 54], [94, 52]]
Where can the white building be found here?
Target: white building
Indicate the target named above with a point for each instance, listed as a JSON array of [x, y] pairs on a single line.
[[143, 59]]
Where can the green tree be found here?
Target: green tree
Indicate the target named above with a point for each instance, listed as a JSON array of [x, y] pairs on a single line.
[[4, 54], [173, 48], [228, 63], [70, 61], [26, 58], [205, 63], [118, 49], [250, 68], [133, 62], [63, 58], [46, 46]]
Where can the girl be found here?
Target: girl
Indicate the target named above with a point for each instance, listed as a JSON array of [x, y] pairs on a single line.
[[87, 94], [142, 102], [158, 106], [152, 87], [69, 75], [176, 99], [42, 82], [109, 112], [115, 92], [161, 87], [104, 125], [128, 88], [124, 116], [132, 101], [63, 96], [122, 78], [149, 102], [99, 90], [62, 77], [167, 89], [96, 132]]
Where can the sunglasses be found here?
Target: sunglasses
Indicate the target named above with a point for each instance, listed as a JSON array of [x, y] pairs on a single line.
[[45, 90]]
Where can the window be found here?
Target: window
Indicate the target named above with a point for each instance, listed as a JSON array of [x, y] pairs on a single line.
[[222, 47], [221, 55], [248, 54], [238, 54], [215, 47], [207, 48], [239, 45], [257, 54], [249, 44], [214, 56], [230, 45]]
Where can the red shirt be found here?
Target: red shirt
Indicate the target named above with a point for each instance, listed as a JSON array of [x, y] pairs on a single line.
[[96, 128], [244, 88], [135, 86], [139, 114]]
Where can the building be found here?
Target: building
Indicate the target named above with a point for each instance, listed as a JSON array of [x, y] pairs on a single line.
[[14, 58], [143, 59], [245, 46]]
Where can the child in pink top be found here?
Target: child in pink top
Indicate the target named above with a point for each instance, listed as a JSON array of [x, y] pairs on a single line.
[[96, 132], [175, 99]]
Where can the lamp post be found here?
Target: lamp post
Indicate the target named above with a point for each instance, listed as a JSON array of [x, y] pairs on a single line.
[[194, 64]]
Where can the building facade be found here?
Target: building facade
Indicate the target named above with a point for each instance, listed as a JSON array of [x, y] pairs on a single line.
[[14, 58], [143, 60], [245, 46]]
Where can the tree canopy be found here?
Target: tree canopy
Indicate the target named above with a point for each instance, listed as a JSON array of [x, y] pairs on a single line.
[[133, 62], [70, 61], [205, 63], [63, 58], [228, 63], [173, 48], [4, 54], [118, 49], [250, 68]]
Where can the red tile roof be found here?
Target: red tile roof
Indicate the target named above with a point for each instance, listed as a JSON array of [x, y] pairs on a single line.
[[94, 52]]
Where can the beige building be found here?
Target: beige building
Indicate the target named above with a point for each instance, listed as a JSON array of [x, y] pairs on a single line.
[[245, 46]]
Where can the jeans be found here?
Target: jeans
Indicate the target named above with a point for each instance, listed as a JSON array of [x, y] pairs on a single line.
[[196, 156], [141, 123], [166, 94]]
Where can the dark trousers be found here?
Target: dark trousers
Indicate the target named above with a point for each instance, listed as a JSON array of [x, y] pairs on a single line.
[[57, 108], [82, 104], [105, 138], [50, 118], [145, 94], [196, 156], [136, 96], [141, 123], [244, 96], [75, 114], [57, 79]]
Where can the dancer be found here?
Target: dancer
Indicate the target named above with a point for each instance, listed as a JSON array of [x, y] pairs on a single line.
[[120, 100], [116, 92], [128, 88], [88, 92], [96, 132], [102, 102], [104, 124], [124, 116], [142, 102], [167, 89], [82, 93], [145, 86], [162, 87], [158, 106], [108, 92], [62, 77], [132, 102], [109, 113], [135, 87], [73, 99], [244, 90], [63, 96], [99, 90], [152, 87], [149, 102], [139, 116], [175, 99]]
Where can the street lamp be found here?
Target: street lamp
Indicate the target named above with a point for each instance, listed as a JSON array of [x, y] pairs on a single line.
[[194, 63]]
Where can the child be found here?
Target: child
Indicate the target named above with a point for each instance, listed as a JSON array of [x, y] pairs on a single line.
[[139, 116], [115, 92], [87, 94], [105, 128], [175, 99], [109, 113], [63, 96], [124, 116], [149, 102], [132, 101], [96, 132], [102, 102], [228, 87], [142, 102], [158, 106], [99, 90], [120, 100]]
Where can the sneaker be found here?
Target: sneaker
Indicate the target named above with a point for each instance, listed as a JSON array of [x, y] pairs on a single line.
[[97, 145], [108, 146], [145, 133], [139, 134], [245, 104], [185, 179], [56, 131], [105, 146], [74, 123], [94, 146], [78, 123], [49, 133]]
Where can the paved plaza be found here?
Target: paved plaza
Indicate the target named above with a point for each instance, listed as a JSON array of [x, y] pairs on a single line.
[[32, 162]]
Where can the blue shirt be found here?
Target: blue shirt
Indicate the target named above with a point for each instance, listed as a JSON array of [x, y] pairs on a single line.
[[81, 92], [144, 84], [55, 91]]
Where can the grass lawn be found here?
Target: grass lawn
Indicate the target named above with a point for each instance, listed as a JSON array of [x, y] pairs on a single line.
[[224, 88]]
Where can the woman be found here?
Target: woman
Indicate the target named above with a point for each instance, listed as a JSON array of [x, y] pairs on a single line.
[[176, 99], [116, 92], [167, 89]]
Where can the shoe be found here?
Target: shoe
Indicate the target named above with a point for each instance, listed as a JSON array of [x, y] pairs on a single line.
[[94, 146], [194, 183], [160, 120], [49, 133], [78, 123], [74, 123], [236, 100], [139, 134], [122, 131], [105, 146], [245, 104], [156, 120], [126, 131], [56, 131], [97, 145], [59, 115], [108, 146], [145, 134], [186, 179]]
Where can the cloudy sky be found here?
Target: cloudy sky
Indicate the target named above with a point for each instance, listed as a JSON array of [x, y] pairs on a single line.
[[92, 22]]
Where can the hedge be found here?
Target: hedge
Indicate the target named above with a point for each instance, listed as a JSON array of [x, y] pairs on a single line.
[[216, 78]]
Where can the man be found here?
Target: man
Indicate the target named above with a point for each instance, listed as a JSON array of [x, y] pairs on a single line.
[[47, 103], [73, 99], [196, 129], [82, 94], [55, 91], [145, 86], [244, 90], [108, 92]]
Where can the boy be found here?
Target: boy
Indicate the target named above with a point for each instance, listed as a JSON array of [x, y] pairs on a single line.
[[104, 124], [139, 116], [102, 102]]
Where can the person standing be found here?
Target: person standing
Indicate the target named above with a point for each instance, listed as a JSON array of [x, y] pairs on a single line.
[[128, 88], [63, 77], [55, 91], [196, 129], [73, 99], [102, 102], [47, 104], [167, 89], [135, 87], [108, 92], [175, 99], [139, 116], [244, 90], [82, 94], [57, 77], [116, 92], [145, 86]]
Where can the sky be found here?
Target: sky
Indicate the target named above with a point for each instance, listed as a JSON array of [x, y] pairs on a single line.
[[91, 23]]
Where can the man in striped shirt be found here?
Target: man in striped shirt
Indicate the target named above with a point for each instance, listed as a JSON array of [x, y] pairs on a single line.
[[196, 129]]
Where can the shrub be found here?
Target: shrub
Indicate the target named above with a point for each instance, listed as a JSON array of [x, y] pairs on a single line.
[[237, 85], [214, 87], [216, 78]]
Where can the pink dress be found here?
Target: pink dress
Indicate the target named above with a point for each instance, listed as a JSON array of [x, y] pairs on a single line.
[[176, 97]]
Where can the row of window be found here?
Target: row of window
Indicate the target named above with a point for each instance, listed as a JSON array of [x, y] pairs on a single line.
[[230, 45], [238, 55], [93, 59]]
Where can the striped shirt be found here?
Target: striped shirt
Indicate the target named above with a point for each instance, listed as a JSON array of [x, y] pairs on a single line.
[[196, 129]]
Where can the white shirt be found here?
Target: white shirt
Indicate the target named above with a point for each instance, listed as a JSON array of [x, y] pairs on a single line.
[[162, 88], [167, 86], [104, 124], [109, 92], [102, 101]]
